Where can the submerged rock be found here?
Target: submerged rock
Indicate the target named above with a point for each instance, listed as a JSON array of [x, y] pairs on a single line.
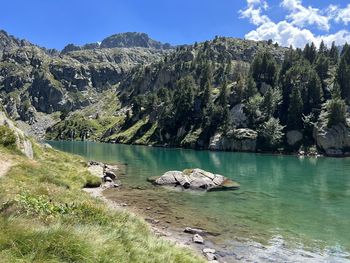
[[195, 179], [198, 239]]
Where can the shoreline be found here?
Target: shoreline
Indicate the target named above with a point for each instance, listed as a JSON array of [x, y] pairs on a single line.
[[237, 249], [158, 230], [295, 154]]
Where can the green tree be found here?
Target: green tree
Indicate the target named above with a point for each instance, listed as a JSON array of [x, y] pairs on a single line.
[[314, 92], [295, 110], [336, 109], [264, 69], [271, 134], [343, 73], [310, 52], [323, 49], [334, 54], [183, 101], [322, 66], [271, 100], [250, 89]]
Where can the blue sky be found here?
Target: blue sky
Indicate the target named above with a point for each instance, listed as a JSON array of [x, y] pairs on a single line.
[[54, 24]]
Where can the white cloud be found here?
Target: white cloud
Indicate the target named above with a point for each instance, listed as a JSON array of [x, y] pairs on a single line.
[[254, 15], [343, 15], [253, 12], [293, 29], [302, 16], [287, 34]]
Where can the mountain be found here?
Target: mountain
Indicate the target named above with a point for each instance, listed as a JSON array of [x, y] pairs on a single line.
[[8, 42], [122, 40], [223, 94]]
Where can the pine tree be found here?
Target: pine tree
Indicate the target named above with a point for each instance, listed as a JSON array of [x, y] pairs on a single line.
[[295, 110], [343, 73], [323, 49], [334, 54], [264, 69], [322, 66], [314, 90], [250, 89], [336, 108], [310, 52]]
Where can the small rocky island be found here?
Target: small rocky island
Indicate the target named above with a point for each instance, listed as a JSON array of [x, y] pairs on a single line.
[[195, 179]]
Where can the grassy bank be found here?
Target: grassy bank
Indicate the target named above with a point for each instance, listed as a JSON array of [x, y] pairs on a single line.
[[45, 216]]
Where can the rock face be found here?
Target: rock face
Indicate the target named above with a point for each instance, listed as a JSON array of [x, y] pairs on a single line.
[[132, 39], [294, 137], [195, 179], [22, 142], [239, 118], [243, 140], [334, 141]]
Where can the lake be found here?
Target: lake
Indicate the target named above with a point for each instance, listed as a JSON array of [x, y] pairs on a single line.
[[301, 205]]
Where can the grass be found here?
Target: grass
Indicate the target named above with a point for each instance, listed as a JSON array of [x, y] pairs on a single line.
[[129, 134], [45, 216]]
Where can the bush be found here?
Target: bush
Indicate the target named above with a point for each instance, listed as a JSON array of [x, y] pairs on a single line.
[[271, 134], [336, 109], [7, 137]]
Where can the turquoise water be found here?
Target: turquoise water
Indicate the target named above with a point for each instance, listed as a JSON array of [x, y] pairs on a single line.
[[304, 201]]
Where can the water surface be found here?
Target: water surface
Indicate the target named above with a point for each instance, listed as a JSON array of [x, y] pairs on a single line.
[[304, 202]]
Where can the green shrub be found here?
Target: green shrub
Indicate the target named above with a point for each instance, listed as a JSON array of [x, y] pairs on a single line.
[[7, 137]]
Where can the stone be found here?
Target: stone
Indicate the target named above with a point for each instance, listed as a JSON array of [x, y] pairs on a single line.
[[107, 179], [242, 140], [110, 174], [334, 140], [168, 178], [211, 256], [218, 179], [208, 250], [195, 179], [294, 137], [193, 231], [198, 239]]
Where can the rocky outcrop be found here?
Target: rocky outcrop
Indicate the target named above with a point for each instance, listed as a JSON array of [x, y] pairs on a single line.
[[243, 140], [132, 39], [293, 137], [22, 142], [238, 116], [106, 172], [195, 179], [334, 141]]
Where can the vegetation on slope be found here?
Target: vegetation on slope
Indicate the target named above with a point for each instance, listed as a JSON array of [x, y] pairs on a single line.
[[45, 216], [193, 93]]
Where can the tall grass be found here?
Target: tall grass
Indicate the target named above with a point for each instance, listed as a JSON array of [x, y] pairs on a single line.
[[46, 217]]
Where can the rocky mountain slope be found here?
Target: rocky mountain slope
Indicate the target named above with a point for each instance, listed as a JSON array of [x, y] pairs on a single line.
[[33, 80], [223, 94]]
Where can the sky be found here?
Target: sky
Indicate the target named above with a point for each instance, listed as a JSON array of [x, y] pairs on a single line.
[[55, 23]]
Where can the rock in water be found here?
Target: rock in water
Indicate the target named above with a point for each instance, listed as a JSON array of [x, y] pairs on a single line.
[[195, 179], [198, 239]]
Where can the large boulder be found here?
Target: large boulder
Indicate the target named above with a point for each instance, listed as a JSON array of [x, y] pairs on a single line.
[[293, 137], [334, 141], [195, 179], [241, 140]]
